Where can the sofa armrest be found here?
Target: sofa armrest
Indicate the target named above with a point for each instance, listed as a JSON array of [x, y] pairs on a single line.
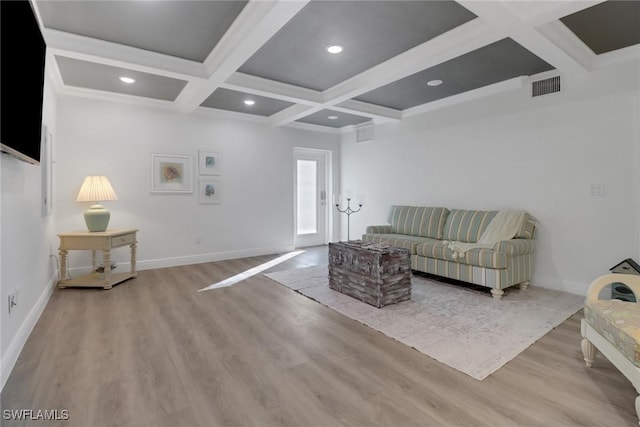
[[516, 246], [379, 229]]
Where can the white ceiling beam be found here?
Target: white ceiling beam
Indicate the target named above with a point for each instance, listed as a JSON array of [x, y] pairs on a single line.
[[117, 55], [256, 24], [377, 112], [234, 115], [53, 72], [547, 50], [458, 41], [501, 15], [313, 128], [264, 87], [292, 114], [558, 34], [536, 13], [121, 98]]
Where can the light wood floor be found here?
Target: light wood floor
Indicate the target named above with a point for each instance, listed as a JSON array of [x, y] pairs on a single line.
[[154, 352]]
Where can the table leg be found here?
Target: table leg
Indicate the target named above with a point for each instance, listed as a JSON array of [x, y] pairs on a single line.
[[106, 260], [93, 261], [133, 259], [63, 267]]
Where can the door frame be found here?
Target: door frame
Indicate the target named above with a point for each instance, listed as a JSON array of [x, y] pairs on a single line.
[[328, 185]]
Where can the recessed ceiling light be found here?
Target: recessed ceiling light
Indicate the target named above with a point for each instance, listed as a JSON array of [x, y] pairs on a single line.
[[127, 80], [249, 101], [332, 117], [434, 82], [334, 49]]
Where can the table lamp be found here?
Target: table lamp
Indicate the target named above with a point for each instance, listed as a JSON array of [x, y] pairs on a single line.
[[96, 189]]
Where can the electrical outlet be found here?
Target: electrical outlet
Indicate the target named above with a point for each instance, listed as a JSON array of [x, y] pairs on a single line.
[[12, 301], [597, 190]]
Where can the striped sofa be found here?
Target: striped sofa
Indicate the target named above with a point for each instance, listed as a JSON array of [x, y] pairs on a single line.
[[424, 231]]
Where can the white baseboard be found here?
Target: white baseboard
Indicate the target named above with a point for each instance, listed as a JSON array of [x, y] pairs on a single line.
[[192, 259], [10, 357], [560, 285]]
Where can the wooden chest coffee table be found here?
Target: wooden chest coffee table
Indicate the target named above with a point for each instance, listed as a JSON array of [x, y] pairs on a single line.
[[373, 273]]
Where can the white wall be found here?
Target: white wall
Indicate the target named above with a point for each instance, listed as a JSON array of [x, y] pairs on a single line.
[[116, 140], [28, 238], [510, 151]]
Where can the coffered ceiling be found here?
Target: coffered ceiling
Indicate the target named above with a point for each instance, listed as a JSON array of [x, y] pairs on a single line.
[[399, 58]]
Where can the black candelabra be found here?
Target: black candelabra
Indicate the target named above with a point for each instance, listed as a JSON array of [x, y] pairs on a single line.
[[348, 211]]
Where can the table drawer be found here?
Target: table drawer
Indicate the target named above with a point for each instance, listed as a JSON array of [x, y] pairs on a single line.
[[126, 239]]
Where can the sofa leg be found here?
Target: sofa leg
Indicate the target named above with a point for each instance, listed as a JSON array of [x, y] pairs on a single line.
[[589, 352], [497, 293], [525, 284]]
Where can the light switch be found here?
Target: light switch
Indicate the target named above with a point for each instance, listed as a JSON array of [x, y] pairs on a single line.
[[597, 190]]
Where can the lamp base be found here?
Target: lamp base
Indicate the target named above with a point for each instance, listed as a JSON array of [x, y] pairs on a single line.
[[97, 218]]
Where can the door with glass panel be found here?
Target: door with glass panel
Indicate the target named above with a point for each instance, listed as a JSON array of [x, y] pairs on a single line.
[[310, 197]]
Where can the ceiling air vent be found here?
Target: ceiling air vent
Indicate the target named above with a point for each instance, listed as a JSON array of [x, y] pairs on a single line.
[[546, 86], [364, 132]]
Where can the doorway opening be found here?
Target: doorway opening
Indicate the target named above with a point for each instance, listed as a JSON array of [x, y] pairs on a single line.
[[311, 207]]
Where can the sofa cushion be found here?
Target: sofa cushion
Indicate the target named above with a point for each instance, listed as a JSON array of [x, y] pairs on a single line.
[[467, 225], [619, 322], [418, 220], [480, 257], [379, 229], [398, 240]]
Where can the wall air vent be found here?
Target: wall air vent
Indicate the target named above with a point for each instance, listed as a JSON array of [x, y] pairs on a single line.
[[364, 132], [546, 86]]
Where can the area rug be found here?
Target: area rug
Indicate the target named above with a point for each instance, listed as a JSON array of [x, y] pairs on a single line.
[[462, 327]]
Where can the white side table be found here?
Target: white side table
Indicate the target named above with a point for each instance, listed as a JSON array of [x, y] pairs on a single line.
[[97, 241]]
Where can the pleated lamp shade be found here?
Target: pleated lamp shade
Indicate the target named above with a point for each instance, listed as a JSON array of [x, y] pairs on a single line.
[[96, 189]]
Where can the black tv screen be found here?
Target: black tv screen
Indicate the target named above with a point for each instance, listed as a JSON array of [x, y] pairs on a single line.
[[22, 61]]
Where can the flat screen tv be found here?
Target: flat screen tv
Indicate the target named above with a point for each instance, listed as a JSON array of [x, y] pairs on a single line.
[[22, 61]]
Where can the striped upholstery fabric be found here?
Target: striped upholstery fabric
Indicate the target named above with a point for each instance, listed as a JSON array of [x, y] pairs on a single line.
[[398, 240], [519, 269], [434, 249], [379, 229], [467, 225], [486, 258], [516, 246], [418, 220], [480, 256]]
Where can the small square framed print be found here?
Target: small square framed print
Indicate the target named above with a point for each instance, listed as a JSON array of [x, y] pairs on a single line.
[[209, 191], [208, 163]]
